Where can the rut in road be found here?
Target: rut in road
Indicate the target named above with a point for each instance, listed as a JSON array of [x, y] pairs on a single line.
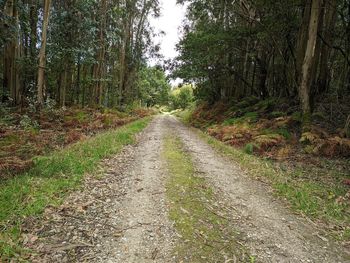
[[125, 217]]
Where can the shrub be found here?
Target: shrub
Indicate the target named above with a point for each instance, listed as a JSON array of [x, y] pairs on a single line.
[[250, 147]]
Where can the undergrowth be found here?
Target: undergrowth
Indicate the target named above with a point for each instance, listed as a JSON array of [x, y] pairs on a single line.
[[24, 135], [204, 227], [51, 178], [318, 193], [308, 168], [273, 126]]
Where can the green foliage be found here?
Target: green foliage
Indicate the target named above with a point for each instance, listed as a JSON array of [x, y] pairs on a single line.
[[27, 123], [251, 116], [249, 148], [285, 133], [276, 114], [89, 59], [153, 87], [182, 97], [185, 115], [297, 116]]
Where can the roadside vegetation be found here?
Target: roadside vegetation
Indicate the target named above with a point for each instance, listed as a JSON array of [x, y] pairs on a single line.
[[181, 97], [272, 82], [51, 177], [75, 88], [202, 223], [308, 169], [26, 134]]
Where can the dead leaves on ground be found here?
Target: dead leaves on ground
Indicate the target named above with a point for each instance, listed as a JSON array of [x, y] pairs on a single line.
[[28, 135]]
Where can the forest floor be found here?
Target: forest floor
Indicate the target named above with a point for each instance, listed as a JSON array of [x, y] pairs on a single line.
[[27, 134], [173, 198]]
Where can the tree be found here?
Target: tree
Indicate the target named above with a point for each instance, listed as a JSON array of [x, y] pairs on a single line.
[[42, 53], [91, 52], [11, 81], [295, 49], [153, 86], [182, 97]]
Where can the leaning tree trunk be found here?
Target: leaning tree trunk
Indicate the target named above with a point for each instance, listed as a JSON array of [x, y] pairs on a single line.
[[308, 63], [42, 54]]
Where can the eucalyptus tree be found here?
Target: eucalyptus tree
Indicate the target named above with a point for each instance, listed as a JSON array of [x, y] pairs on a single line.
[[42, 54], [94, 52], [295, 49]]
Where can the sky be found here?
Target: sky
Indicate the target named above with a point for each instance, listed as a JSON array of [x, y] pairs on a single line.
[[170, 22]]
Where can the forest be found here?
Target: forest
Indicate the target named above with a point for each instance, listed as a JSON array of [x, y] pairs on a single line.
[[75, 52], [95, 134], [69, 69], [293, 50]]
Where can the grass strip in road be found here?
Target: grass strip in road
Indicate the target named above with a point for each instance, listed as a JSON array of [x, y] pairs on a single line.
[[202, 223], [304, 188], [51, 178]]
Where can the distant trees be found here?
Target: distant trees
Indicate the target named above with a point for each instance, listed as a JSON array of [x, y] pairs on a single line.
[[90, 53], [287, 48], [181, 97], [153, 87]]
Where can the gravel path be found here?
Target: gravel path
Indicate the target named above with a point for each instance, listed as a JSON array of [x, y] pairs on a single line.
[[270, 230], [120, 215]]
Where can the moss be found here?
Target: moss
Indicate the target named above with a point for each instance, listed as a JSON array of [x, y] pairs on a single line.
[[306, 122]]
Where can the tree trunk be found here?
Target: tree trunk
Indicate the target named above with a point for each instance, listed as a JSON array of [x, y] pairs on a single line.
[[100, 57], [329, 23], [263, 70], [11, 82], [308, 63], [63, 87], [302, 40], [42, 54]]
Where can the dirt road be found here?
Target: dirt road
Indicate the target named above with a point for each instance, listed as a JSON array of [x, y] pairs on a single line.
[[122, 215]]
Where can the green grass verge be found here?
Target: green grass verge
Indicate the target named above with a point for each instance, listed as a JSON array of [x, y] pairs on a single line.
[[51, 178], [202, 223], [315, 192], [184, 115]]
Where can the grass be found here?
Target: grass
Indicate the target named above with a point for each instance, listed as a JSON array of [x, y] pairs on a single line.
[[311, 191], [185, 115], [202, 223], [51, 178]]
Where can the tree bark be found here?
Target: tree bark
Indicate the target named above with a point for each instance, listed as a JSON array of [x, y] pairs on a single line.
[[42, 54], [329, 23], [11, 82], [308, 63], [302, 40], [100, 56]]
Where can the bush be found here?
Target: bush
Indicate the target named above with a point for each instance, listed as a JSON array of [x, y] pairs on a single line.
[[250, 147], [181, 98]]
